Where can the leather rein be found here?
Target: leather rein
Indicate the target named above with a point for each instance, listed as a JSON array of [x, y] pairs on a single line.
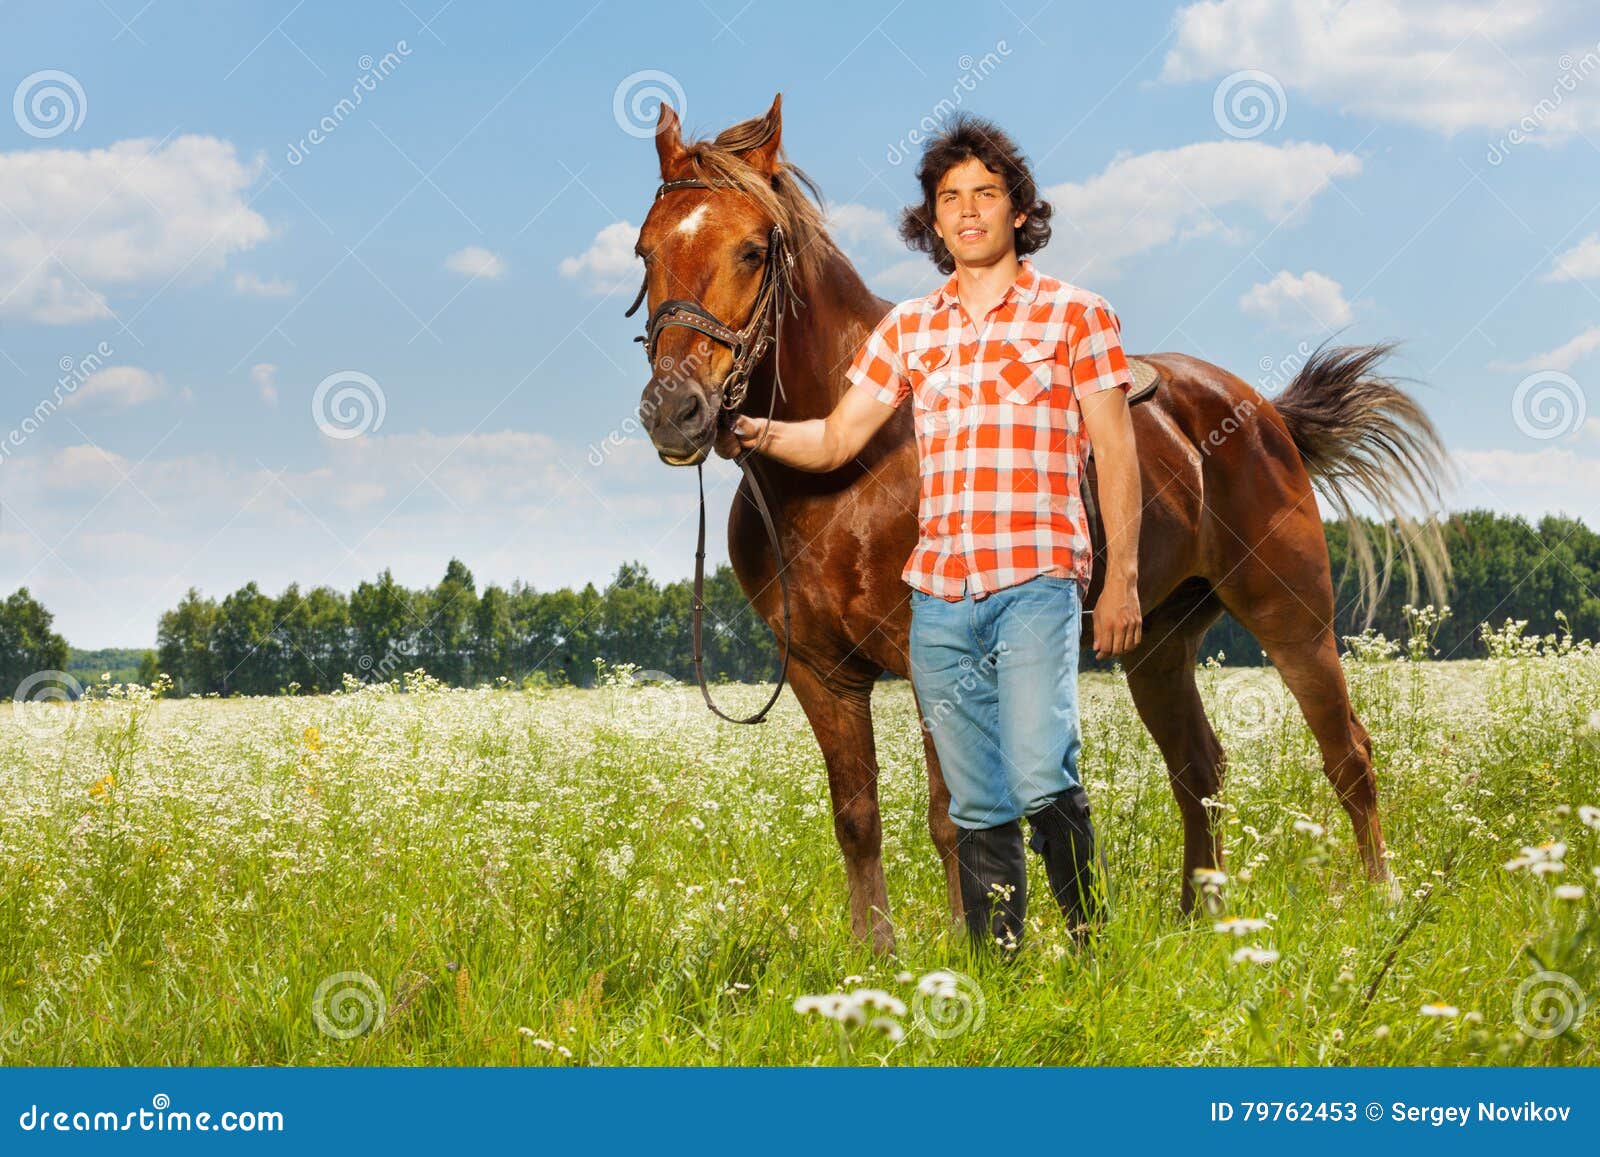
[[774, 298]]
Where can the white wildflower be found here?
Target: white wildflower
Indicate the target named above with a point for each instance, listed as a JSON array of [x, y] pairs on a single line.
[[1253, 955]]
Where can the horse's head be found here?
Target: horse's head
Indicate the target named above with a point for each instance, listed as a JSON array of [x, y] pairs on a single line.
[[719, 246]]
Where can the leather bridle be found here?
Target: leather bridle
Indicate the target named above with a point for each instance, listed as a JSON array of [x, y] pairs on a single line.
[[774, 298]]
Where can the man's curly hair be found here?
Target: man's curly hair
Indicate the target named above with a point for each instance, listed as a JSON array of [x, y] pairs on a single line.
[[965, 137]]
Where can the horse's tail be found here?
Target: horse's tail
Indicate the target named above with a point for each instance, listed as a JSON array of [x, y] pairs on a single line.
[[1360, 435]]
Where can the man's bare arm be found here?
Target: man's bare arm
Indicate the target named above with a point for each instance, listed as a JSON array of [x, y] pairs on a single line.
[[818, 444], [1118, 622]]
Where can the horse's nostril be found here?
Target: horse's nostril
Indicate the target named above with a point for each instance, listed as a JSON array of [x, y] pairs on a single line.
[[688, 409]]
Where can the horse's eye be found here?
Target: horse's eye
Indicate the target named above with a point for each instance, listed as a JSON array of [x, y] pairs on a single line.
[[753, 257]]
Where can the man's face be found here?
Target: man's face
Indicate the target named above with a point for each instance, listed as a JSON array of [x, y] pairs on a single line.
[[973, 215]]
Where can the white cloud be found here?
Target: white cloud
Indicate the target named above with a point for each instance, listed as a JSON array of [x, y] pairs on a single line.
[[254, 285], [855, 226], [1145, 200], [913, 277], [1580, 263], [1292, 302], [264, 375], [1442, 65], [1563, 357], [85, 224], [118, 388], [609, 264], [1550, 480], [476, 261], [88, 468], [503, 501]]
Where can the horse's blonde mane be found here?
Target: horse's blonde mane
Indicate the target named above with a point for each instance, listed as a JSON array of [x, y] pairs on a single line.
[[790, 198]]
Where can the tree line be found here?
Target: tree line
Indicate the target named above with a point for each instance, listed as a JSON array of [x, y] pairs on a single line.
[[254, 643]]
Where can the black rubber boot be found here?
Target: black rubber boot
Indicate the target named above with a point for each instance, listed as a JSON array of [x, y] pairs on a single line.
[[994, 884], [1064, 835]]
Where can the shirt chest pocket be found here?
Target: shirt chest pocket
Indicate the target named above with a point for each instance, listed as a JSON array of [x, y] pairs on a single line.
[[934, 391], [932, 370], [1026, 370]]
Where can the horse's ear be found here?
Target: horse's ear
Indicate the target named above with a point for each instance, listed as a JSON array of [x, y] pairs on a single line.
[[764, 157], [669, 141]]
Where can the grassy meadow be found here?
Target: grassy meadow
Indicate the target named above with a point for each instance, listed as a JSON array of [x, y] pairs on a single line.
[[405, 874]]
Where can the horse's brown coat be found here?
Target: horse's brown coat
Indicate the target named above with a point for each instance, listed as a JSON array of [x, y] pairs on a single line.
[[1229, 520]]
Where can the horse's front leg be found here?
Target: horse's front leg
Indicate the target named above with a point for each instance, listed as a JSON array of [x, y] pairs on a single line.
[[942, 828], [840, 712]]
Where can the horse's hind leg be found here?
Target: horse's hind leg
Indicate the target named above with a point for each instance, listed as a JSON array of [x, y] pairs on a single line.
[[1293, 623], [1161, 675], [840, 712], [941, 827]]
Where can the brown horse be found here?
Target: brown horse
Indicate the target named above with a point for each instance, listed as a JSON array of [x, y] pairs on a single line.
[[1230, 518]]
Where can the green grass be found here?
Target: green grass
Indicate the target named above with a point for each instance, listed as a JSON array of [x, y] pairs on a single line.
[[633, 882]]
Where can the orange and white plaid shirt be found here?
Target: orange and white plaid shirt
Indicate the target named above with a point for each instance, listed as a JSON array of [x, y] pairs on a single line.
[[999, 429]]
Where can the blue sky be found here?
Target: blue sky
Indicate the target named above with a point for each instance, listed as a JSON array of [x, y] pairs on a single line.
[[170, 235]]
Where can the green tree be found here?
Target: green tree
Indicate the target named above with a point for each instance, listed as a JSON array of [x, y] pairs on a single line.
[[383, 627], [247, 645], [445, 633], [493, 636], [185, 645], [28, 645]]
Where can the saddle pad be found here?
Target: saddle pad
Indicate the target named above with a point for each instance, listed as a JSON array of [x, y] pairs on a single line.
[[1145, 380]]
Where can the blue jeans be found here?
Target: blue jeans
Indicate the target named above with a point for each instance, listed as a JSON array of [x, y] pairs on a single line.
[[997, 686]]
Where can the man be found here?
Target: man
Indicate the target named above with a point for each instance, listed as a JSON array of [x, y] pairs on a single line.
[[1011, 375]]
